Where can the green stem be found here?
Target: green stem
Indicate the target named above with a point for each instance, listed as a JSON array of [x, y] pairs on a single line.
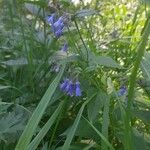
[[140, 52], [87, 54]]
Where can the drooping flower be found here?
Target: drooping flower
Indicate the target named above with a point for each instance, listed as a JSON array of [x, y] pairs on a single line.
[[65, 47], [122, 91], [51, 19], [70, 88], [64, 85], [58, 33], [57, 25], [78, 89]]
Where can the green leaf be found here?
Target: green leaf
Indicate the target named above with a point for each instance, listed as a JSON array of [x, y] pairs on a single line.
[[94, 106], [36, 141], [16, 62], [145, 65], [39, 3], [77, 146], [35, 10], [139, 140], [38, 113], [143, 115], [73, 129], [4, 87], [100, 134], [11, 123], [103, 60], [85, 12], [74, 126], [146, 1]]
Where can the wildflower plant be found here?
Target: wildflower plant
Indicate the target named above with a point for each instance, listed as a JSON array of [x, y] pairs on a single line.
[[74, 75]]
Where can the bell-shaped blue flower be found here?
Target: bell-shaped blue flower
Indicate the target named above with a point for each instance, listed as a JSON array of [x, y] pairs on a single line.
[[68, 86], [59, 24], [56, 25], [51, 19], [58, 33], [64, 85], [78, 89], [71, 89]]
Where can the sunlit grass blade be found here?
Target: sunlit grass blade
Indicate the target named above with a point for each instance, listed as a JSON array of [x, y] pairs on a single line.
[[37, 114], [100, 134], [36, 141]]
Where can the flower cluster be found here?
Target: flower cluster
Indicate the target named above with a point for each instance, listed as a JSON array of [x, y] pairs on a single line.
[[122, 91], [56, 24], [70, 88]]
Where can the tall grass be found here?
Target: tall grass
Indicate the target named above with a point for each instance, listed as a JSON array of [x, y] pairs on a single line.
[[107, 106]]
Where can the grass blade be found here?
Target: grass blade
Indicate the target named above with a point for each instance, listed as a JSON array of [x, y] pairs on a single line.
[[37, 114], [74, 126], [100, 134], [73, 129], [36, 141]]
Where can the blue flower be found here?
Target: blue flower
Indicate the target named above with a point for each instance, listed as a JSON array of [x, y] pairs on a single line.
[[70, 90], [64, 85], [57, 26], [68, 86], [58, 33], [122, 91], [65, 47], [78, 89], [51, 19]]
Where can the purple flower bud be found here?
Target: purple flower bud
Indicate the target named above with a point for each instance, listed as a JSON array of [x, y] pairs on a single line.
[[65, 47], [122, 91], [78, 89]]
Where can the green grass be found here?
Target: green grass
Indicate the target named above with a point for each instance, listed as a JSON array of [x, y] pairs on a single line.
[[108, 47]]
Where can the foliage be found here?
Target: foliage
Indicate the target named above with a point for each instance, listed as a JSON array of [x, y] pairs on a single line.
[[74, 76]]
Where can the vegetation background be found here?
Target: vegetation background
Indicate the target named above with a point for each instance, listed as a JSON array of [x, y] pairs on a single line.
[[108, 53]]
